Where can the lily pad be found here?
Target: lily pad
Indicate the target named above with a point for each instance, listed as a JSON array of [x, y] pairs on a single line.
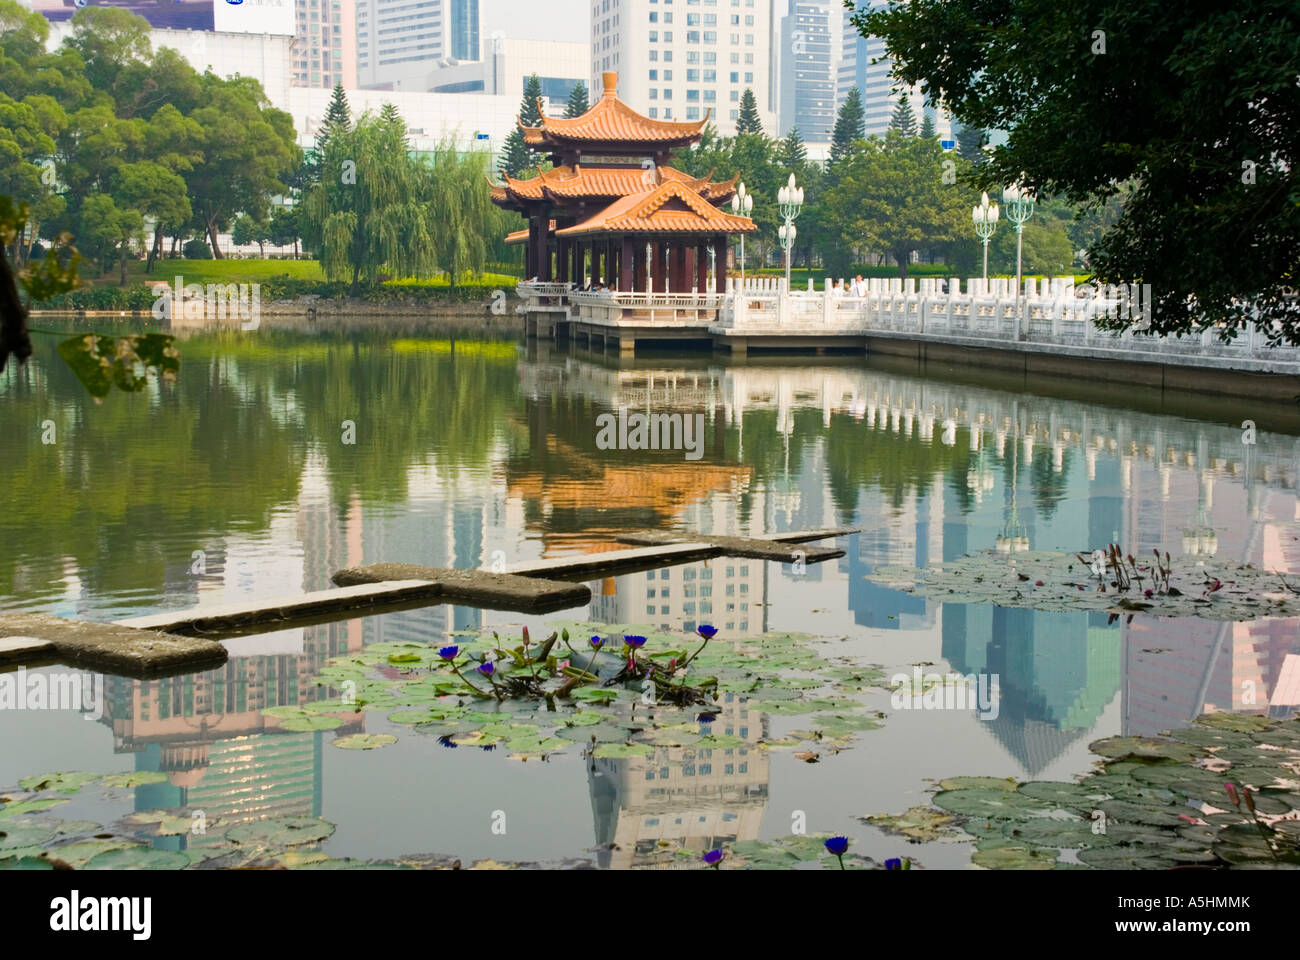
[[364, 741], [280, 832], [139, 858], [616, 751], [62, 782], [919, 824], [139, 778]]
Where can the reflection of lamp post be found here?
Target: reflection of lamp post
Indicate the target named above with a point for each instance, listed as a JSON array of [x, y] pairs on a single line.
[[1020, 207], [790, 200], [741, 204], [1012, 537], [985, 217]]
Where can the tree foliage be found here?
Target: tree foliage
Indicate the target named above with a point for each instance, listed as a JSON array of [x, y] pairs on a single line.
[[1194, 106], [578, 103], [748, 120], [850, 126]]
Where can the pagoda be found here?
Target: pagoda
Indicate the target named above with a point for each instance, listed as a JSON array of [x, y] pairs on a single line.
[[611, 209]]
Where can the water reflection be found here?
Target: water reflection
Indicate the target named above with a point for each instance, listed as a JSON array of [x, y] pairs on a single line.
[[235, 484]]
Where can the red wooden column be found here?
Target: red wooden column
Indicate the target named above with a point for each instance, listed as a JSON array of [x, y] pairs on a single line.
[[638, 267], [702, 267], [659, 270], [626, 267], [680, 281], [720, 261]]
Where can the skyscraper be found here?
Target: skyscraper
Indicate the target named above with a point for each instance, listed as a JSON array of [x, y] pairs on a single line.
[[858, 67], [398, 39], [807, 70], [324, 53], [678, 60]]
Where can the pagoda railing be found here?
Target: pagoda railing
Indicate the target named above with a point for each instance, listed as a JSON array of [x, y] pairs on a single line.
[[538, 294], [611, 306]]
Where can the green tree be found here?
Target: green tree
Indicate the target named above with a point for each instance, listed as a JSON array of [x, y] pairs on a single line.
[[578, 102], [970, 144], [516, 156], [791, 154], [285, 228], [1200, 105], [850, 126], [903, 119], [109, 230], [250, 229], [248, 149], [458, 191], [373, 207], [927, 131], [749, 120], [891, 197]]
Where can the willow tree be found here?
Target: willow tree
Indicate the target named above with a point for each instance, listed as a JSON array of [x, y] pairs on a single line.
[[457, 186], [370, 207]]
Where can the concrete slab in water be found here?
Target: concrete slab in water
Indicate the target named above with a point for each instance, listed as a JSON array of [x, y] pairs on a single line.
[[282, 612], [111, 647], [479, 588], [757, 549]]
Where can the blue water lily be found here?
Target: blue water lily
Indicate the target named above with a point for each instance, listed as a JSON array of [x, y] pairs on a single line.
[[449, 653], [707, 631]]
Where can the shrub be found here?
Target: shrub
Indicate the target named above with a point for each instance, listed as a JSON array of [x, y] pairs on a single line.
[[197, 249]]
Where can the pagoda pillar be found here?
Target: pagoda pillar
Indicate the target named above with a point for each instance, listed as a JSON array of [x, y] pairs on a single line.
[[680, 281], [720, 262], [658, 270], [627, 266], [702, 267], [638, 267]]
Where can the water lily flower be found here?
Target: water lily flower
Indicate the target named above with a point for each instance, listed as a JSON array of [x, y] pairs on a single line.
[[713, 858], [705, 718], [1038, 583], [635, 643], [1232, 794], [837, 846], [525, 636], [897, 863], [448, 653], [446, 742], [706, 631], [1148, 594], [596, 643], [486, 668]]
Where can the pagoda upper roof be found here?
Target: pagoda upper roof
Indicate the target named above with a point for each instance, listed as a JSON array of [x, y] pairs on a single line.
[[671, 207], [579, 182], [611, 122]]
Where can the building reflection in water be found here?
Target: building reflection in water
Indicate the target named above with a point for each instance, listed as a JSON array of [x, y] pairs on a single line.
[[929, 471], [692, 799]]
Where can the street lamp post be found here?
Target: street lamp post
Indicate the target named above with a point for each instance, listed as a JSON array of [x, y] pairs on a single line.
[[741, 204], [985, 217], [1020, 207], [790, 201]]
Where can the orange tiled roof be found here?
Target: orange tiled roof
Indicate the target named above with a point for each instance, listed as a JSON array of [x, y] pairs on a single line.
[[671, 207], [579, 182], [610, 119]]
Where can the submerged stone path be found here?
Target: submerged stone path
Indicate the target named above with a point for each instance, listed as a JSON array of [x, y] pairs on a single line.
[[181, 641]]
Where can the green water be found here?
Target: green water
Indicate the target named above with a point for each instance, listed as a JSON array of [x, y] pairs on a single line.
[[239, 483]]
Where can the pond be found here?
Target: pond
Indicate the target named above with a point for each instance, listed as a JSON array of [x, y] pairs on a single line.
[[280, 457]]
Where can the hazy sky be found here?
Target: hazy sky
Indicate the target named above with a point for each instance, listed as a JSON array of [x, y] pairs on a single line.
[[542, 19]]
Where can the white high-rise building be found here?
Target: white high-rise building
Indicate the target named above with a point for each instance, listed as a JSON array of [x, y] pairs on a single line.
[[880, 92], [810, 40], [397, 40], [678, 59]]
